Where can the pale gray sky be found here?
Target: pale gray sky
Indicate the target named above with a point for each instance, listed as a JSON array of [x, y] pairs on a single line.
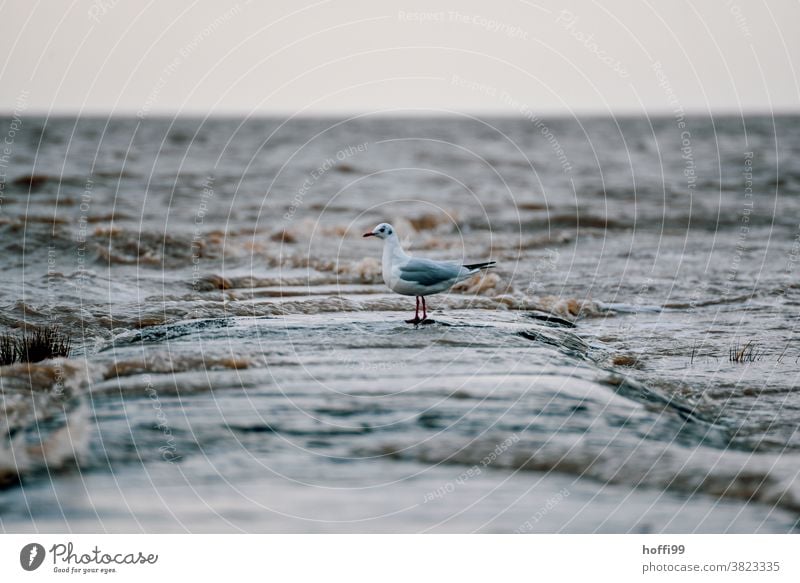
[[504, 56]]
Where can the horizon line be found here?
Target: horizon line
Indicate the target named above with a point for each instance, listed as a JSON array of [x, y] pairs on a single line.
[[400, 112]]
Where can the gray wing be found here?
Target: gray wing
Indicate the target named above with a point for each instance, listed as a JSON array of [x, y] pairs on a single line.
[[427, 272]]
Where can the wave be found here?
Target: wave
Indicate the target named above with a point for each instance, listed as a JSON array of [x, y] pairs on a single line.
[[45, 419], [713, 301], [766, 478]]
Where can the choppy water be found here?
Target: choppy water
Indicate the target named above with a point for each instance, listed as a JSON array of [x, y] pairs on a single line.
[[239, 365]]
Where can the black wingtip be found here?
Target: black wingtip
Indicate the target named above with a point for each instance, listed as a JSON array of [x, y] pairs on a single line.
[[484, 265]]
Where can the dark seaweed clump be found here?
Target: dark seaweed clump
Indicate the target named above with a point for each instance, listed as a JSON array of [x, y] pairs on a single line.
[[34, 345]]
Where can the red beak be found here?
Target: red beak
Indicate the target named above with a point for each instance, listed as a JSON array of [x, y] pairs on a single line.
[[369, 234]]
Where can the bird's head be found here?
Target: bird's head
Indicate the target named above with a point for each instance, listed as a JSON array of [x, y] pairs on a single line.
[[382, 231]]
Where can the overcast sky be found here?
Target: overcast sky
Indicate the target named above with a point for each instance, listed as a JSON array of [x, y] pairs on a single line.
[[504, 56]]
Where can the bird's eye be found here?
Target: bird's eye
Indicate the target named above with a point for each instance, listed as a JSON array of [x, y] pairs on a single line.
[[383, 229]]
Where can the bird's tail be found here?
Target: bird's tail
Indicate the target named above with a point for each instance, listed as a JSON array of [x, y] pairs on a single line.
[[485, 265]]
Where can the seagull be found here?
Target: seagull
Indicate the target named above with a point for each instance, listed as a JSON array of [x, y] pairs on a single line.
[[413, 276]]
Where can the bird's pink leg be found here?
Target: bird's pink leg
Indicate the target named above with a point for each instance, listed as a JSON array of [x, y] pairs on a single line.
[[416, 314]]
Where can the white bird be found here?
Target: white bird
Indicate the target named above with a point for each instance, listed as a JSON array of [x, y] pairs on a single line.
[[413, 276]]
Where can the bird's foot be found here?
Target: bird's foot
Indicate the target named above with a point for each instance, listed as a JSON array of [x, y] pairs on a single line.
[[427, 321], [413, 321]]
